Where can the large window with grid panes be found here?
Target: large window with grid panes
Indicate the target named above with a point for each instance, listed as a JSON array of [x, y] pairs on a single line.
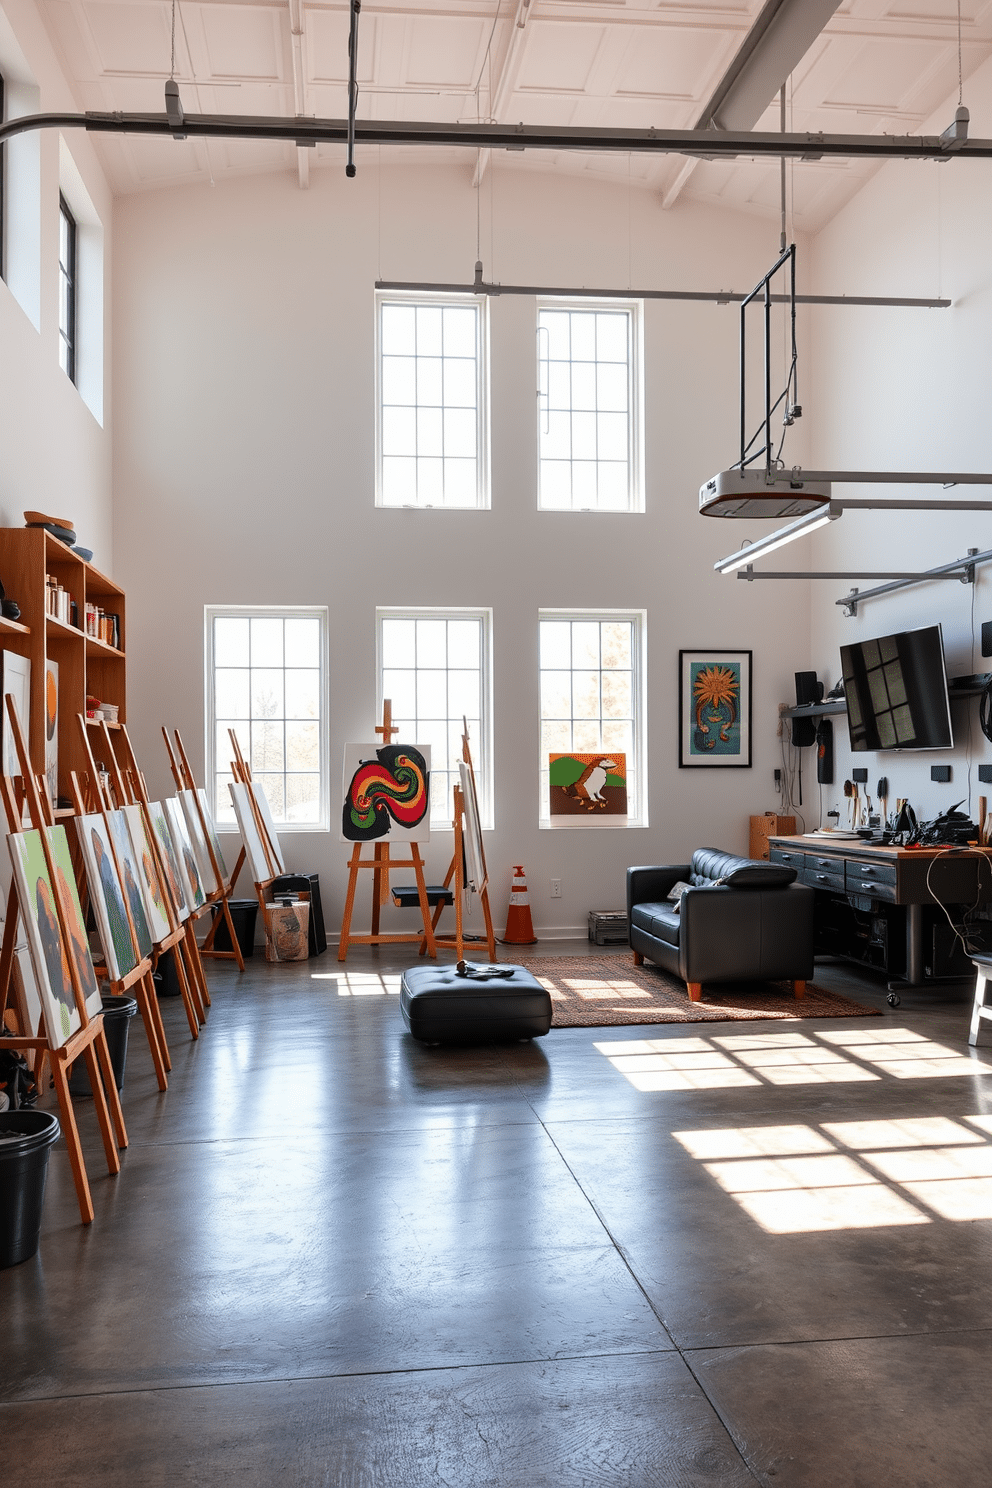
[[592, 703], [67, 290], [434, 666], [266, 671], [589, 406], [432, 402]]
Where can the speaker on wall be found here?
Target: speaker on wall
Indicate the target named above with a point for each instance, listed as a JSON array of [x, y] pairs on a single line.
[[808, 690], [825, 752]]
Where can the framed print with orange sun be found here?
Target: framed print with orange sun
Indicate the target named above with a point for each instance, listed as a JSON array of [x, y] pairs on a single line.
[[715, 709]]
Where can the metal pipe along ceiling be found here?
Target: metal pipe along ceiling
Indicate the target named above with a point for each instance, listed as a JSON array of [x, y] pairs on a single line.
[[709, 144]]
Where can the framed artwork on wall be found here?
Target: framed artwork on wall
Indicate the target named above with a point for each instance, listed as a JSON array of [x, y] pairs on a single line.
[[715, 709]]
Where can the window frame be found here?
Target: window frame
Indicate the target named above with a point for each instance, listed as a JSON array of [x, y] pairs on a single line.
[[480, 304], [635, 400], [3, 183], [212, 612], [68, 272], [639, 673], [482, 748]]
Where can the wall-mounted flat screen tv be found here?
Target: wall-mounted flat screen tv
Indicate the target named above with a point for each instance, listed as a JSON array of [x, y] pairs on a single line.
[[896, 688]]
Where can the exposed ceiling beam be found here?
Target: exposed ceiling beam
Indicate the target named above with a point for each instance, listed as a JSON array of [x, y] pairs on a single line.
[[706, 143], [781, 36], [506, 82]]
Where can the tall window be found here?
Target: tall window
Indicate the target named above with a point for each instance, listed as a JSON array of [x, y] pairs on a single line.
[[67, 290], [591, 695], [432, 403], [434, 667], [588, 407], [265, 671]]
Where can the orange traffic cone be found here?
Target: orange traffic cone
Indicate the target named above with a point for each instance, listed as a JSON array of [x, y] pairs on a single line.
[[519, 925]]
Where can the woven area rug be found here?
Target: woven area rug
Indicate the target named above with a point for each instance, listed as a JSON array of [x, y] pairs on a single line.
[[599, 992]]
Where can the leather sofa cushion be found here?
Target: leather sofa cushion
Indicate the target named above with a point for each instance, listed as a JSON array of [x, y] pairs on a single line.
[[660, 920], [710, 865]]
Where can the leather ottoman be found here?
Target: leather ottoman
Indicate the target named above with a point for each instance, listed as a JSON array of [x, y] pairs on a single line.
[[441, 1006]]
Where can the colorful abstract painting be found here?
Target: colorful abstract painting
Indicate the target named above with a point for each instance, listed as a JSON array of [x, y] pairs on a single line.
[[52, 728], [386, 793], [588, 786], [715, 708]]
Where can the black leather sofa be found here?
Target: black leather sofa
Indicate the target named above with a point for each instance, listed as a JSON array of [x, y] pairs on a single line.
[[741, 920]]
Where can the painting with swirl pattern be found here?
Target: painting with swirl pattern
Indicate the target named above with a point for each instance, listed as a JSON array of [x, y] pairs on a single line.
[[387, 793]]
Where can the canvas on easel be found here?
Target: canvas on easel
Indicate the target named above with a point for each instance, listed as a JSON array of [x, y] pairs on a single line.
[[50, 949], [264, 811], [198, 840], [130, 874], [192, 887], [43, 890], [106, 897], [170, 860], [149, 882], [387, 792], [258, 865]]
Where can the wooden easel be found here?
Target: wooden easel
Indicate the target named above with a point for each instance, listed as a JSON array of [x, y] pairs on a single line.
[[130, 787], [456, 872], [89, 1041], [139, 978], [241, 771], [183, 776], [381, 863]]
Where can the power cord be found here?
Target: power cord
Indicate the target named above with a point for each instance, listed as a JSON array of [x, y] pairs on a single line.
[[960, 852]]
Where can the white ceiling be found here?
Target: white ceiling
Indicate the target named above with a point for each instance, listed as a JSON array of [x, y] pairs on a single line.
[[881, 66]]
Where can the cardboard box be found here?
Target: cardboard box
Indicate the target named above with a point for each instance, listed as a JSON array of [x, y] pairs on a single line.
[[769, 825]]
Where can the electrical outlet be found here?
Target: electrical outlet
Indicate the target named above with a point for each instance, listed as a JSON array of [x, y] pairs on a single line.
[[556, 888]]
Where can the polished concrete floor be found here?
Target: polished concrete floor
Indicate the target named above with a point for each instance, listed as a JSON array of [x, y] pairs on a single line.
[[706, 1254]]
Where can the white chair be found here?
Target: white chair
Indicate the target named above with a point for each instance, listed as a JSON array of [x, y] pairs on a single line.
[[980, 1013]]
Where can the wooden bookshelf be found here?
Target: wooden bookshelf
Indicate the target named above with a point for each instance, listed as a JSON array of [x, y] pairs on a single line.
[[86, 665]]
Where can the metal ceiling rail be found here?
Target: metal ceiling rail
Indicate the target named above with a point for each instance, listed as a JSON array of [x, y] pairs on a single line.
[[713, 297], [708, 144], [961, 568]]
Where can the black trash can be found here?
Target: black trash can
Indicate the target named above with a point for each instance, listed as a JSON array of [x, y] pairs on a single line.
[[26, 1140], [244, 912], [117, 1014], [164, 976]]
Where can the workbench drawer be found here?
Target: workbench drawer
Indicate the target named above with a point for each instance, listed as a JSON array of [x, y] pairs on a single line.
[[859, 873], [830, 876], [791, 859]]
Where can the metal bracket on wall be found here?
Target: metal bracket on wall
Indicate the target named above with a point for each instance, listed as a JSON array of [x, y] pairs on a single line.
[[962, 569]]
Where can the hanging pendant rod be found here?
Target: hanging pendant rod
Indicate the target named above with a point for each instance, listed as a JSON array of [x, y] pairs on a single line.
[[704, 143], [914, 576], [712, 297]]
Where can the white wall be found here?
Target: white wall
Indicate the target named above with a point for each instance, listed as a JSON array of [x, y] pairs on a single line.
[[243, 401], [56, 454], [909, 390]]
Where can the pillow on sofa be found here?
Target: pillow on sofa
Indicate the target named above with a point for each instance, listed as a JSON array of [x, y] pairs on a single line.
[[739, 873], [759, 876]]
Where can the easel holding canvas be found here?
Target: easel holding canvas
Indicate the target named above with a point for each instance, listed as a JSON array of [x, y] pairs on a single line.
[[176, 932], [262, 852], [381, 863], [118, 878], [57, 940], [468, 861], [207, 848]]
